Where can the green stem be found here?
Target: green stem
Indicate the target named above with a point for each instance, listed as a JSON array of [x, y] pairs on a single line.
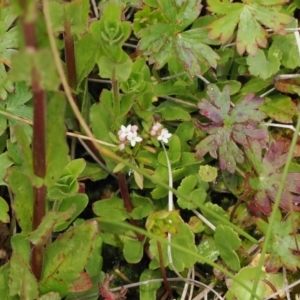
[[116, 99]]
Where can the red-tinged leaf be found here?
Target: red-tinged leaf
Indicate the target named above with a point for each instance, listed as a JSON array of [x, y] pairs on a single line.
[[163, 37], [82, 284], [283, 244], [268, 177], [229, 126], [289, 86], [251, 19]]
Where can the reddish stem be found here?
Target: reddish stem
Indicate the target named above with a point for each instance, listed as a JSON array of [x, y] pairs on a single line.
[[70, 56], [127, 200], [38, 141], [163, 270]]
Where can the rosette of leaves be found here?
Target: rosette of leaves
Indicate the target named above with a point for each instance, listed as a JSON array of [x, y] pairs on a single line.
[[67, 184], [266, 181], [163, 222], [111, 33], [162, 35], [229, 126]]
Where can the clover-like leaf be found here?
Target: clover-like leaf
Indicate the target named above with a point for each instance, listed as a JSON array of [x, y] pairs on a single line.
[[251, 18], [268, 177], [283, 243], [163, 37], [229, 126]]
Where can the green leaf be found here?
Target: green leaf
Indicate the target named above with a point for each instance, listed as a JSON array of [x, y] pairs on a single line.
[[217, 209], [227, 241], [139, 179], [85, 53], [15, 105], [143, 207], [42, 61], [56, 146], [41, 235], [148, 291], [163, 37], [133, 250], [5, 163], [50, 296], [67, 184], [249, 17], [108, 68], [72, 205], [66, 257], [173, 113], [280, 108], [8, 46], [95, 262], [288, 47], [247, 275], [263, 67], [208, 173], [185, 237], [197, 196], [208, 249], [282, 246], [22, 282], [75, 14], [93, 172], [185, 132], [4, 216], [23, 201], [4, 283], [101, 115], [111, 208]]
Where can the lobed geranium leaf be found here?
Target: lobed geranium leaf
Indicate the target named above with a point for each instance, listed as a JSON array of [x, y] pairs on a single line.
[[163, 38], [268, 177], [265, 66], [251, 18], [283, 243], [229, 126]]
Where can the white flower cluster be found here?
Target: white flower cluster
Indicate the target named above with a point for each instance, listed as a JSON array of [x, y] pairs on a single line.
[[128, 133], [162, 133]]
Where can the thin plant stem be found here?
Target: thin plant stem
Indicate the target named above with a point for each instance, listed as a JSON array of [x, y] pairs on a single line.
[[100, 80], [95, 9], [39, 139], [116, 98], [173, 76], [127, 200], [267, 93], [180, 101], [163, 269], [279, 194]]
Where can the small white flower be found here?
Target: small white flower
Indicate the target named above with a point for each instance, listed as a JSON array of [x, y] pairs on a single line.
[[123, 133], [122, 146], [133, 138], [164, 136]]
